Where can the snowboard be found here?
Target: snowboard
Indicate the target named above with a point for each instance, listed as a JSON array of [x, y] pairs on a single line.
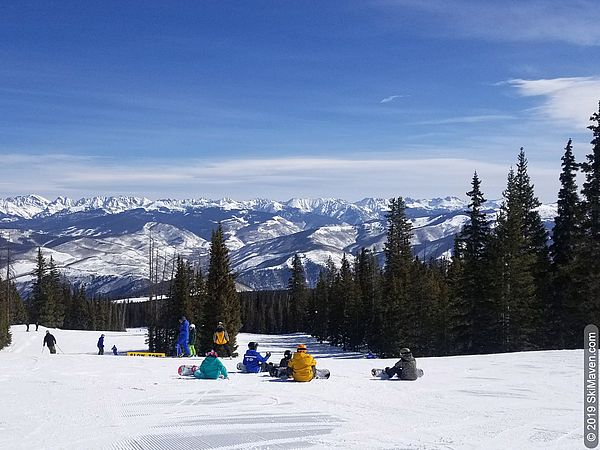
[[381, 373], [321, 374], [186, 370]]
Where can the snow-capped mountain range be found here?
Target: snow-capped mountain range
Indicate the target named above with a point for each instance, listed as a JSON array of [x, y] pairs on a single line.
[[104, 242]]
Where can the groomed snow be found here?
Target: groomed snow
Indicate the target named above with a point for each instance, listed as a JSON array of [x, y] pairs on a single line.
[[79, 400]]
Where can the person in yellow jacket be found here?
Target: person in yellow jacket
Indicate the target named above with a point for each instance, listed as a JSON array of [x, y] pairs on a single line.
[[221, 339], [302, 366]]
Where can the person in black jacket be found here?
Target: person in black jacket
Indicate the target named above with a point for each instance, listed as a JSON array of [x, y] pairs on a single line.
[[277, 371], [50, 341]]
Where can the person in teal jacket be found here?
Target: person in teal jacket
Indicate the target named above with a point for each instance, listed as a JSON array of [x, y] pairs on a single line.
[[211, 368]]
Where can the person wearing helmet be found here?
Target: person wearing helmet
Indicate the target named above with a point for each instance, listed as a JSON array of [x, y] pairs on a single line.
[[281, 369], [405, 368], [192, 340], [302, 366], [221, 339], [211, 368], [253, 361], [100, 345]]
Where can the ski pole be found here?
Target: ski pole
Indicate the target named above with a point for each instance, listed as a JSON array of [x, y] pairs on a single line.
[[60, 349], [42, 349]]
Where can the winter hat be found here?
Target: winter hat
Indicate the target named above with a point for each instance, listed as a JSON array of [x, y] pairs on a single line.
[[192, 326], [252, 345], [287, 354], [301, 348], [212, 354], [405, 351]]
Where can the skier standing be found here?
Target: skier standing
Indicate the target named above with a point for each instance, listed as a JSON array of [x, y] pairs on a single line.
[[253, 361], [50, 341], [221, 339], [192, 340], [211, 368], [302, 366], [184, 334], [405, 368], [101, 345]]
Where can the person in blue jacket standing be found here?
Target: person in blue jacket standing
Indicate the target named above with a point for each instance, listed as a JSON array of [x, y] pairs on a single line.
[[253, 361], [101, 345], [184, 334], [211, 368]]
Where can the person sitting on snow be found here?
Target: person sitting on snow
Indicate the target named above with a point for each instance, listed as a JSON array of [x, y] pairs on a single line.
[[114, 350], [405, 368], [302, 366], [277, 371], [253, 361], [211, 368]]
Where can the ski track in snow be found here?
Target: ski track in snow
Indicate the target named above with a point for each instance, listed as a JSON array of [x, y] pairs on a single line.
[[77, 400]]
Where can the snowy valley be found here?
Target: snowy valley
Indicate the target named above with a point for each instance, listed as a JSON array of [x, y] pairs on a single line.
[[104, 242]]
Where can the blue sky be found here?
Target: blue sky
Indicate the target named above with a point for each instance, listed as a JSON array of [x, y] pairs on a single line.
[[288, 99]]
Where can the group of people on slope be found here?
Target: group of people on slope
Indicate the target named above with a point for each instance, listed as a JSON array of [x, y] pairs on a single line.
[[301, 366], [100, 346], [186, 340]]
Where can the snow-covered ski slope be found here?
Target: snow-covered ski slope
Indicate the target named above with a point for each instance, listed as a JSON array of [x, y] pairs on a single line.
[[79, 400]]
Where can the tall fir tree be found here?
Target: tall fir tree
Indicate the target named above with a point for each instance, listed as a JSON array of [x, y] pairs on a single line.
[[298, 295], [37, 297], [563, 316], [513, 267], [396, 311], [536, 238], [222, 304], [363, 311], [481, 314], [588, 254]]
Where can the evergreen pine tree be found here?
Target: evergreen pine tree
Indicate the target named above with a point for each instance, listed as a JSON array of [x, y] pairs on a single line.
[[222, 303], [588, 254], [563, 314], [362, 310], [298, 295], [396, 310], [481, 316], [513, 267]]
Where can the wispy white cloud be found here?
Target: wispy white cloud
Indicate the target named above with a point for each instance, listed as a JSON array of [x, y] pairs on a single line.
[[391, 98], [468, 119], [574, 22], [279, 178], [568, 100]]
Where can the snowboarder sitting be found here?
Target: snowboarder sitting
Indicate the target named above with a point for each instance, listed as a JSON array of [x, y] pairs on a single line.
[[114, 350], [100, 345], [211, 368], [253, 361], [405, 368], [302, 366], [50, 341], [281, 369]]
